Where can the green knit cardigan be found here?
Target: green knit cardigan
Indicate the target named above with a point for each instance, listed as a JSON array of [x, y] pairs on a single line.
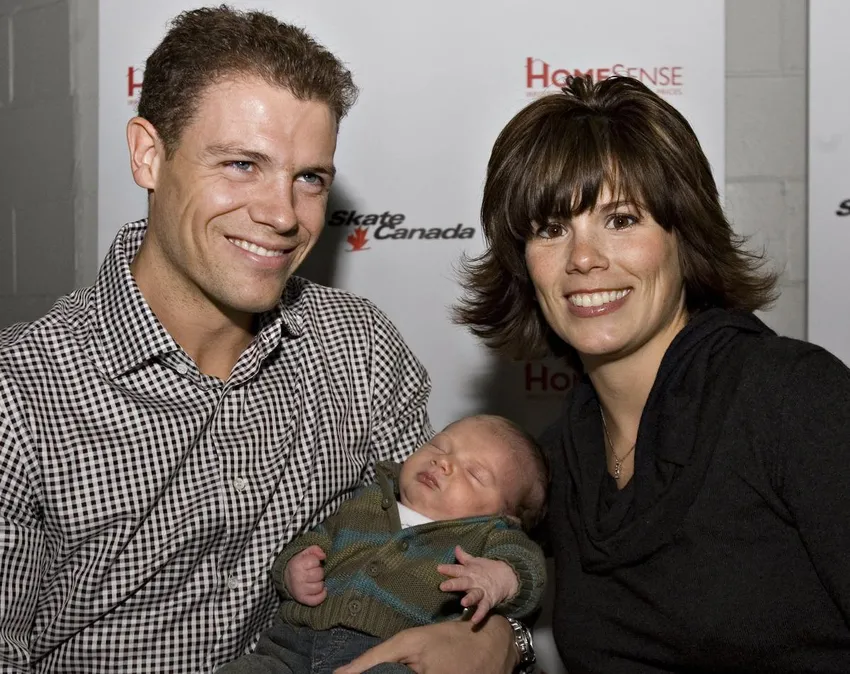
[[382, 579]]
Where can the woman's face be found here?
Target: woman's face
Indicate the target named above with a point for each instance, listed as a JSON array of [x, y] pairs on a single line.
[[608, 281]]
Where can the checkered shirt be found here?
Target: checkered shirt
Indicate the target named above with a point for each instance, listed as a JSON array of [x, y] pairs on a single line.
[[143, 503]]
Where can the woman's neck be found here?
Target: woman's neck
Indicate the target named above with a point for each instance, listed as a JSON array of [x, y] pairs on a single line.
[[623, 383]]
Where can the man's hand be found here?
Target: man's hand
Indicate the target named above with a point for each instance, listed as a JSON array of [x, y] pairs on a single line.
[[446, 648], [487, 582], [305, 578]]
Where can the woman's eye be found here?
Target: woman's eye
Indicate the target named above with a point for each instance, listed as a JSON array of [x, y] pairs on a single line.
[[622, 220], [551, 230]]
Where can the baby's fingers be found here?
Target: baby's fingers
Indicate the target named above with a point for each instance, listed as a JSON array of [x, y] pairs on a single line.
[[313, 575], [455, 585], [463, 556], [312, 599], [453, 570], [473, 597], [480, 613]]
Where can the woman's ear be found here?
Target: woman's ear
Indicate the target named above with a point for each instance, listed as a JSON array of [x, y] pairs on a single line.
[[146, 152]]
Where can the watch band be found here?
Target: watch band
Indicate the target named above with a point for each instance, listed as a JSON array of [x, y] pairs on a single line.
[[525, 647]]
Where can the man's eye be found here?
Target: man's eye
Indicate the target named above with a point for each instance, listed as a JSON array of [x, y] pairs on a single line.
[[312, 179], [243, 166]]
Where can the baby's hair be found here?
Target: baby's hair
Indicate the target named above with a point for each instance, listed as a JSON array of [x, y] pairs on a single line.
[[531, 506]]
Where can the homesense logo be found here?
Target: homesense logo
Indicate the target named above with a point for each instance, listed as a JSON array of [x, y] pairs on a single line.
[[664, 79]]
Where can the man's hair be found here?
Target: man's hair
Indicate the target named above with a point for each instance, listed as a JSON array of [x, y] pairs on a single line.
[[531, 506], [204, 46], [553, 160]]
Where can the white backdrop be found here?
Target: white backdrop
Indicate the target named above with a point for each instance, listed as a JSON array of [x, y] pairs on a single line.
[[829, 176], [438, 80]]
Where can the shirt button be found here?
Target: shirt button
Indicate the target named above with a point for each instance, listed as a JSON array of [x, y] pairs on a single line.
[[403, 546], [239, 483], [182, 368], [354, 606], [232, 582]]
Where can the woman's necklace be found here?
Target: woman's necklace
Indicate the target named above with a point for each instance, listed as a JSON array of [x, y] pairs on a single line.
[[618, 461]]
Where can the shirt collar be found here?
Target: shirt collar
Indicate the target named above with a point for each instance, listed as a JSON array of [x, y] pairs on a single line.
[[130, 335]]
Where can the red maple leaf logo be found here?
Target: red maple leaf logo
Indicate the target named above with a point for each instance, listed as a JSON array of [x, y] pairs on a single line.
[[358, 239]]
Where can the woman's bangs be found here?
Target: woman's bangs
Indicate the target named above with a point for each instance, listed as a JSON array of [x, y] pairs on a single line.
[[565, 178]]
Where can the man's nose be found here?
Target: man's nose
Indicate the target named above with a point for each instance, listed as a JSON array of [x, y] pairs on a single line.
[[274, 206]]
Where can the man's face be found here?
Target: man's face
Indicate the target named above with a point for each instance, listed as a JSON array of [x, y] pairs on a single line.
[[242, 200]]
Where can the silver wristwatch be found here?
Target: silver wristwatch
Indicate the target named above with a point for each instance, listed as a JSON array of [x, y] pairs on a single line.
[[524, 646]]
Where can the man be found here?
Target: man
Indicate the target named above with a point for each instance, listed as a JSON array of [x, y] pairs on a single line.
[[165, 432]]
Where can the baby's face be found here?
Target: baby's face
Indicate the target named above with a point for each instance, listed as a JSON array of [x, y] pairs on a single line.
[[464, 471]]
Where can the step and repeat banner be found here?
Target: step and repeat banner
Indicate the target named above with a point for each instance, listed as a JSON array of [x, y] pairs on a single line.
[[829, 176], [438, 81]]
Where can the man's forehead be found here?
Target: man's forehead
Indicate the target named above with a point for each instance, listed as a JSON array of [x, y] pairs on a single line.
[[242, 85], [249, 118]]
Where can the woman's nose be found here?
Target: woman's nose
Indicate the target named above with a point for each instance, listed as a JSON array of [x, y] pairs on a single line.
[[585, 253]]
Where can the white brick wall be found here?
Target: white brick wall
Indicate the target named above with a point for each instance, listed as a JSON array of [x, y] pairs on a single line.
[[48, 141], [766, 142]]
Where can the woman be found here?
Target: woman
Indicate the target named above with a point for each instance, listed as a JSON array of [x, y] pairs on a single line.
[[700, 497]]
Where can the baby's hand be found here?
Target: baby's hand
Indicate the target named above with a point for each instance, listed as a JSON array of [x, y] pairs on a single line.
[[305, 577], [487, 582]]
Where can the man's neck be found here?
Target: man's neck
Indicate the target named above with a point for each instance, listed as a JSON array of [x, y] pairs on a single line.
[[212, 337], [213, 342]]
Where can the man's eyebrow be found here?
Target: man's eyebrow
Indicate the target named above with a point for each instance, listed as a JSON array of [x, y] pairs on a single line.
[[228, 150], [233, 150]]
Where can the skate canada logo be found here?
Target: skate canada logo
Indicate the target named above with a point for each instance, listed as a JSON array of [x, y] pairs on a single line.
[[364, 228], [541, 76]]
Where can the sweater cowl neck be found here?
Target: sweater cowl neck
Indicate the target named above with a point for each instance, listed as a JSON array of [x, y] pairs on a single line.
[[679, 428]]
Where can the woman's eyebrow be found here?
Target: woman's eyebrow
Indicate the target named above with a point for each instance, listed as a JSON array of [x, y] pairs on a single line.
[[613, 205]]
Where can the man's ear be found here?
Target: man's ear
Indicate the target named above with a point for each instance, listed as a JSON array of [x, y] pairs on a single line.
[[146, 152]]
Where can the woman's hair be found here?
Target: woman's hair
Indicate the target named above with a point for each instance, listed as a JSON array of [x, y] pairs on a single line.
[[553, 160]]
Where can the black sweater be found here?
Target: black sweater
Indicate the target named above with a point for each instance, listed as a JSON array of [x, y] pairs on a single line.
[[729, 550]]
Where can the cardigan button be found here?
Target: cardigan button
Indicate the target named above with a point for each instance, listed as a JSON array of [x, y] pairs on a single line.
[[385, 503], [354, 606], [373, 569], [403, 546]]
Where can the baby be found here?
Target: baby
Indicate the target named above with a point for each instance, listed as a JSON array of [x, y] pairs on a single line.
[[379, 565]]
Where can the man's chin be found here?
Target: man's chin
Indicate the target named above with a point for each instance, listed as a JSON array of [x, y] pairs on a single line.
[[252, 304]]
